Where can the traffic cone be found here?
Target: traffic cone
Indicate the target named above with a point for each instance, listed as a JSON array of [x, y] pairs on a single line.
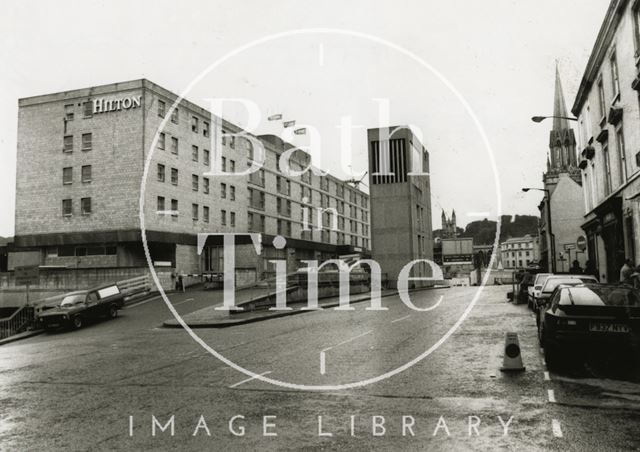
[[512, 358]]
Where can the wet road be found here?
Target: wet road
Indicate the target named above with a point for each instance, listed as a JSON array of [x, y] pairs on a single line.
[[99, 388]]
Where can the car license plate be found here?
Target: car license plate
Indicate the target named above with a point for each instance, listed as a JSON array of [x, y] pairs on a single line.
[[603, 327], [53, 325]]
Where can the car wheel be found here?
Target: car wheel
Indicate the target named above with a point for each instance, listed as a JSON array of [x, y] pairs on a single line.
[[77, 322], [113, 311]]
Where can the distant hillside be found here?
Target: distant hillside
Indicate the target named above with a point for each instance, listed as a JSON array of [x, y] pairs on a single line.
[[484, 231]]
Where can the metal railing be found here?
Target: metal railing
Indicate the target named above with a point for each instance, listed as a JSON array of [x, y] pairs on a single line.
[[17, 322], [135, 285]]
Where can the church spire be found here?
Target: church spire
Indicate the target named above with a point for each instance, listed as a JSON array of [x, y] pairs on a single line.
[[559, 106]]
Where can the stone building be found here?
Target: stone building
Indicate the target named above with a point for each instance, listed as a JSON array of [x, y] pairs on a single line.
[[563, 192], [449, 227], [80, 163], [607, 108], [519, 252]]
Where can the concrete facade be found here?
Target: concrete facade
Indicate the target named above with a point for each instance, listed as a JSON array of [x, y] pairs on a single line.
[[608, 112], [81, 160], [401, 227]]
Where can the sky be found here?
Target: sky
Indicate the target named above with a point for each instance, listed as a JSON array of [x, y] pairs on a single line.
[[495, 56]]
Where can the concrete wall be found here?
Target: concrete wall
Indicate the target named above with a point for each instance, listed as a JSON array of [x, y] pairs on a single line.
[[567, 215]]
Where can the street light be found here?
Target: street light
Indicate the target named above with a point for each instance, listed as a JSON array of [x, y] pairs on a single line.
[[542, 118], [552, 238]]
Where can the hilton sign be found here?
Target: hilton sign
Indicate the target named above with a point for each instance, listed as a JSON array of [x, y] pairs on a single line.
[[102, 105]]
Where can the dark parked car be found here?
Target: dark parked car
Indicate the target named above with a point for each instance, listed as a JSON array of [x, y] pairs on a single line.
[[542, 296], [78, 307], [589, 315]]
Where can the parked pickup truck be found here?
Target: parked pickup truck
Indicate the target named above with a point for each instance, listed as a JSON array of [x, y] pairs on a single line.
[[76, 308]]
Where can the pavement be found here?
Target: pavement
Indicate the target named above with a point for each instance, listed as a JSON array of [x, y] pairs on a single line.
[[112, 385]]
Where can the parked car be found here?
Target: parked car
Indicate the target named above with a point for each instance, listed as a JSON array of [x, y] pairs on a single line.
[[76, 308], [534, 290], [553, 281], [590, 315]]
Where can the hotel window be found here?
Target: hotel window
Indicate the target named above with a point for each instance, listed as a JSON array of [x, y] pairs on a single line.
[[85, 206], [194, 124], [223, 217], [205, 128], [206, 157], [257, 178], [195, 182], [160, 204], [232, 166], [68, 143], [175, 116], [160, 172], [67, 175], [621, 155], [223, 191], [607, 168], [205, 185], [174, 208], [194, 212], [87, 140], [87, 109], [86, 173], [601, 101], [68, 112], [224, 164], [232, 219], [232, 193], [324, 183], [174, 145], [194, 153], [174, 176], [161, 140], [615, 81], [162, 107], [67, 207], [340, 191], [205, 213]]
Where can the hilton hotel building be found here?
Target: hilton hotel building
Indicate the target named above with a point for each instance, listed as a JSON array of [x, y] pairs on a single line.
[[80, 163]]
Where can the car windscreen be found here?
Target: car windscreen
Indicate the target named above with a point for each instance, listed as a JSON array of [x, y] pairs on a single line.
[[602, 296], [540, 280], [552, 283], [71, 300]]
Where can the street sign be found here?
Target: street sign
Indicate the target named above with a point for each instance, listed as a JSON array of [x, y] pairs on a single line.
[[569, 246], [27, 275], [581, 243]]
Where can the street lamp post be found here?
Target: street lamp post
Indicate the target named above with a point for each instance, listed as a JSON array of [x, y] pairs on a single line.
[[552, 239], [542, 118]]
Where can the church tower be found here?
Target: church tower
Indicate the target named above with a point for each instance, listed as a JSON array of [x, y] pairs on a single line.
[[562, 156]]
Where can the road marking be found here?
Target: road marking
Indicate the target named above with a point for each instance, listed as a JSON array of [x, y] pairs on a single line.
[[552, 396], [249, 379], [183, 301], [401, 318], [557, 430], [547, 377], [140, 303], [324, 350]]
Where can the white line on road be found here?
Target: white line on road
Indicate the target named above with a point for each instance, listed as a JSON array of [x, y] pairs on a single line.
[[248, 379], [401, 318], [140, 303], [324, 350], [183, 301], [557, 430], [552, 396], [547, 377]]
